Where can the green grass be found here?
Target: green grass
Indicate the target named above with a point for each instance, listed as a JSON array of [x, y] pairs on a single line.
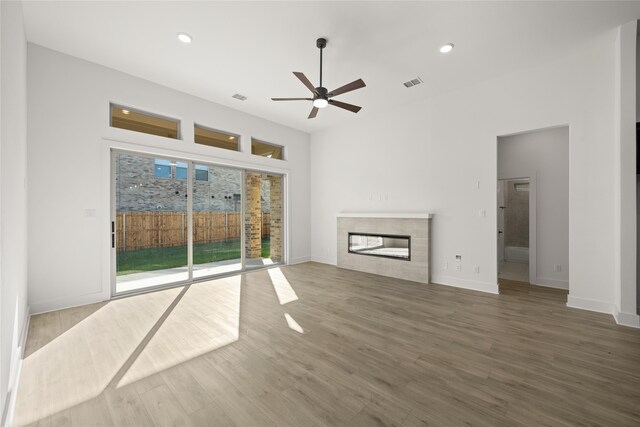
[[162, 258]]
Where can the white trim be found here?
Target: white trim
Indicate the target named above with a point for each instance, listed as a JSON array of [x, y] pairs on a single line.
[[590, 304], [626, 319], [533, 228], [67, 302], [16, 369], [300, 260], [551, 283], [455, 282], [386, 215], [189, 155]]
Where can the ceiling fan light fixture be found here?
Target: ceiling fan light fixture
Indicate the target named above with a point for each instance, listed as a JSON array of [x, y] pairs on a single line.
[[446, 48], [184, 37], [320, 103]]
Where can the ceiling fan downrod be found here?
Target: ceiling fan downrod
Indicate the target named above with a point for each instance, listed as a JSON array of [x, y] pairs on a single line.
[[321, 43]]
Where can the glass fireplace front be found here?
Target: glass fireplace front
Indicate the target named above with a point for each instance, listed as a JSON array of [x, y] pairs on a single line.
[[381, 245]]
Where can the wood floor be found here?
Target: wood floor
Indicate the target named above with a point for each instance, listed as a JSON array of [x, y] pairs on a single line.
[[314, 345]]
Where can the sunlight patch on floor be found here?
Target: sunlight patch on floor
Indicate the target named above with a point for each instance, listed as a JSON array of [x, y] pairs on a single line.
[[291, 322], [205, 319], [283, 288], [78, 365]]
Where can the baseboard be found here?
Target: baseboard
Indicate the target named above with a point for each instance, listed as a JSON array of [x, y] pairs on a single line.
[[299, 260], [15, 370], [491, 288], [67, 302], [626, 319], [590, 304], [552, 283], [323, 260]]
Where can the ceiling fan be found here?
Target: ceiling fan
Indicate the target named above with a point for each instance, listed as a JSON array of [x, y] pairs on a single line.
[[321, 96]]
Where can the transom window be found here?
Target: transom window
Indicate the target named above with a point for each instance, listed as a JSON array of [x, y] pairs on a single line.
[[216, 138], [266, 149], [140, 121]]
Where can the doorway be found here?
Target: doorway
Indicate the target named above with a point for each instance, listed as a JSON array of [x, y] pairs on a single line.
[[540, 157], [513, 229], [175, 221]]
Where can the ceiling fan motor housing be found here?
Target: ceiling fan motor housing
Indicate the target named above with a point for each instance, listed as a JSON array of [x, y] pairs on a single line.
[[323, 93]]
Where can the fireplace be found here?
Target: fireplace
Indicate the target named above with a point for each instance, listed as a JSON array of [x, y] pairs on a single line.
[[389, 244], [380, 245]]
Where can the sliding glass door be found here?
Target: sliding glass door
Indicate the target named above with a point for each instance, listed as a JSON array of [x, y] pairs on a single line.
[[175, 221], [217, 230], [151, 222]]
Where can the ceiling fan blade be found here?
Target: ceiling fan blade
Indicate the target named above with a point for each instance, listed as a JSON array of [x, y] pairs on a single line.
[[350, 107], [313, 113], [357, 84], [291, 99], [305, 81]]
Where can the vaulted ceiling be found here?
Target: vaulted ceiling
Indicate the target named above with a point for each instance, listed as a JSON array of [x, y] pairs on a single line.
[[252, 48]]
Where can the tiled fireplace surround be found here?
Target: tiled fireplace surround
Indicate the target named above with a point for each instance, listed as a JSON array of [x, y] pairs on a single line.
[[416, 225]]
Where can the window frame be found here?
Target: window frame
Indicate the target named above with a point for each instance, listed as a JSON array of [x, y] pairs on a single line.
[[263, 142], [237, 137], [115, 106]]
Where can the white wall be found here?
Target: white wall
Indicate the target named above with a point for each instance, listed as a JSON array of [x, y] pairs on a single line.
[[13, 198], [625, 176], [69, 167], [433, 152], [544, 156]]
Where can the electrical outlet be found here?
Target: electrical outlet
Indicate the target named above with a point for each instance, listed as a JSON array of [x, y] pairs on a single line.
[[557, 268], [459, 267], [476, 269]]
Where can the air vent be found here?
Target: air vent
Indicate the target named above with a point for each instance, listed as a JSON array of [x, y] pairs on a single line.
[[240, 97], [413, 82]]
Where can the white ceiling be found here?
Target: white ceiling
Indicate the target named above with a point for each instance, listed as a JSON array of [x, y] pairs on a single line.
[[252, 47]]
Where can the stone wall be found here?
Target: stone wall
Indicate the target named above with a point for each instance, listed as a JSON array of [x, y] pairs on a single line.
[[139, 190]]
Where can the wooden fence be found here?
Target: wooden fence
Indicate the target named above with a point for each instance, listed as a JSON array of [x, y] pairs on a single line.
[[144, 230]]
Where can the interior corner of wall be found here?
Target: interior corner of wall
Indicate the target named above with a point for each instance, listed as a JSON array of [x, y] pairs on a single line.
[[626, 319]]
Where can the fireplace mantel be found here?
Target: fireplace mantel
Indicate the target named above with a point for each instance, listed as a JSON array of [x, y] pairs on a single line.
[[386, 215], [414, 227]]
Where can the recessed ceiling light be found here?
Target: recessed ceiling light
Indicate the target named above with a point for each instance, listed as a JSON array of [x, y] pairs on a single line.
[[125, 111], [446, 48], [184, 37]]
